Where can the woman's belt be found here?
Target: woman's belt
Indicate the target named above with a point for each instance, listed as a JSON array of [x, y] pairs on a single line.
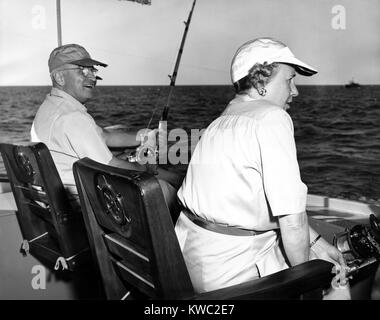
[[215, 227]]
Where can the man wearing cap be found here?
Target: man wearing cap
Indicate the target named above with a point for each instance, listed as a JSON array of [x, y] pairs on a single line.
[[243, 189], [70, 133]]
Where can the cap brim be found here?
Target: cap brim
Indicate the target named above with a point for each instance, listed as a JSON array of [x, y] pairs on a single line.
[[87, 62], [300, 67]]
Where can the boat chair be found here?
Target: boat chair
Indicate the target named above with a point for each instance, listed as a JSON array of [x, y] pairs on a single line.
[[53, 232], [133, 241]]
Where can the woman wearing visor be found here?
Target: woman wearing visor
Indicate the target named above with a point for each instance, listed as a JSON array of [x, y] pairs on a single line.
[[243, 194]]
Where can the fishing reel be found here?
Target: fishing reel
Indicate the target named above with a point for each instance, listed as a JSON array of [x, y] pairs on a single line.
[[148, 152], [360, 245], [145, 153]]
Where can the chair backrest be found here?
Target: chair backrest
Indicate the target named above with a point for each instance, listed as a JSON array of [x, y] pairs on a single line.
[[131, 233], [52, 228]]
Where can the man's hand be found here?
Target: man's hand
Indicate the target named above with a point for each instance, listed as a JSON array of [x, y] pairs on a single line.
[[148, 137], [146, 152]]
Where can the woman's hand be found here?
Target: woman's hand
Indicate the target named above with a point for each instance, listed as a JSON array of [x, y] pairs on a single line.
[[325, 251]]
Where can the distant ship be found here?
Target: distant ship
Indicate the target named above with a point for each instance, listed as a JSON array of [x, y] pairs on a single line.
[[352, 84]]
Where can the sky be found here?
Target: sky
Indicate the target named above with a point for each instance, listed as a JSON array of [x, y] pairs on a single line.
[[140, 42]]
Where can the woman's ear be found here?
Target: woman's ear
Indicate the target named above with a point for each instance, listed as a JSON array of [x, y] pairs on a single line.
[[262, 91], [259, 87]]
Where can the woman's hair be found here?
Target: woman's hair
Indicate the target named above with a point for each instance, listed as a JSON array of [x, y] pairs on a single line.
[[258, 76]]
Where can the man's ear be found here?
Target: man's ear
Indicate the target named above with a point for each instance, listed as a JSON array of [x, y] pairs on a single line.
[[58, 78]]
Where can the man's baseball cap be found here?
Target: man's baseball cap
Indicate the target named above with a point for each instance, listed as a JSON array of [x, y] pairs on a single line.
[[265, 50], [72, 54]]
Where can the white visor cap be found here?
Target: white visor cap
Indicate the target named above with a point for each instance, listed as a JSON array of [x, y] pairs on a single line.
[[265, 50]]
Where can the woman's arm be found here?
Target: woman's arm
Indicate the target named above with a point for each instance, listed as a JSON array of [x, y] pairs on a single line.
[[295, 237]]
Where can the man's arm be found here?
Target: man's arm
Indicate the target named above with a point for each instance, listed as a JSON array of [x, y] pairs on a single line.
[[173, 178], [115, 162], [120, 138], [295, 237]]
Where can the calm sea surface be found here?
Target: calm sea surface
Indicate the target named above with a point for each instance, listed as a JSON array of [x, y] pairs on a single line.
[[337, 130]]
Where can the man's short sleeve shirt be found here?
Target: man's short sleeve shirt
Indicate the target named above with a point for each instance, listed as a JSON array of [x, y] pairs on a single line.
[[69, 132]]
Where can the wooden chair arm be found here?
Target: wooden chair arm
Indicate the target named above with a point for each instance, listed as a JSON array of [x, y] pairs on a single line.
[[286, 284]]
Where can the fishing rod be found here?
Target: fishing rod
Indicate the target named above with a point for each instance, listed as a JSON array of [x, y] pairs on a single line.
[[173, 77]]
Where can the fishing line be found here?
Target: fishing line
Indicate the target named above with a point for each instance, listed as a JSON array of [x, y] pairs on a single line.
[[173, 76], [155, 108]]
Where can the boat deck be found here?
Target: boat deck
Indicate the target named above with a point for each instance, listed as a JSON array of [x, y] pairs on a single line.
[[330, 216], [327, 216]]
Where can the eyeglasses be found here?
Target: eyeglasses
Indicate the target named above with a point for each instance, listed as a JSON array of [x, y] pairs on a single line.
[[85, 70]]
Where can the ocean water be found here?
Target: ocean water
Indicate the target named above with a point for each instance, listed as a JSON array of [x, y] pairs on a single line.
[[337, 130]]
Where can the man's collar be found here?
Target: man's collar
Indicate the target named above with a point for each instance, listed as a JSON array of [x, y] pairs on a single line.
[[60, 93]]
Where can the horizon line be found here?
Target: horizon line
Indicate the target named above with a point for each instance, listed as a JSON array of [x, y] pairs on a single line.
[[182, 85]]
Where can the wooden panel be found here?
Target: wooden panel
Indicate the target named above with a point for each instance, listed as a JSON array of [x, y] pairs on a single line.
[[34, 194], [42, 202], [39, 211], [45, 248], [124, 250], [148, 256], [286, 284], [143, 284]]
